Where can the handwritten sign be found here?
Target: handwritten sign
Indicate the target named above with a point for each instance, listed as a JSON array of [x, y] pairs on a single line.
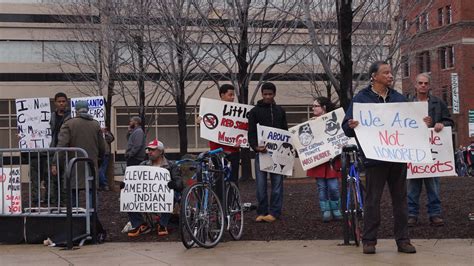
[[393, 132], [321, 139], [32, 116], [10, 185], [96, 108], [280, 155], [443, 157], [146, 190], [224, 122]]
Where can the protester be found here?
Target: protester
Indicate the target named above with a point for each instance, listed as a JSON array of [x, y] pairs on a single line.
[[82, 132], [266, 113], [156, 157], [439, 118], [58, 116], [109, 138], [326, 176], [461, 167], [378, 172], [135, 152], [470, 158]]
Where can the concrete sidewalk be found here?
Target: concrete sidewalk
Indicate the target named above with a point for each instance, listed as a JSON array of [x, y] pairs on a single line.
[[317, 252]]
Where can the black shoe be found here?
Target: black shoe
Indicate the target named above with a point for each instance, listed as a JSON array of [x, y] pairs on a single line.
[[368, 248], [412, 221], [436, 221], [406, 247]]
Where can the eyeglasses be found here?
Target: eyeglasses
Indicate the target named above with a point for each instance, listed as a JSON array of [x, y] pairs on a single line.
[[421, 83]]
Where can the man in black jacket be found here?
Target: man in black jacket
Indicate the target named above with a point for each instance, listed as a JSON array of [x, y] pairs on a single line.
[[266, 113], [439, 118], [378, 172]]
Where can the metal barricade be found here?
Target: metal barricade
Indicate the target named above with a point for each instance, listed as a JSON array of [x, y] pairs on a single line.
[[29, 186]]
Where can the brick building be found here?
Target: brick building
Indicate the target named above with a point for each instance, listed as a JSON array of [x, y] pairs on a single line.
[[441, 42]]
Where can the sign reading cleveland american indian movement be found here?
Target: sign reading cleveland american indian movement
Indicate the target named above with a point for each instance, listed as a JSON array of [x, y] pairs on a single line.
[[96, 108], [393, 132], [224, 122], [443, 157], [32, 116], [10, 188], [280, 155], [146, 190], [321, 139]]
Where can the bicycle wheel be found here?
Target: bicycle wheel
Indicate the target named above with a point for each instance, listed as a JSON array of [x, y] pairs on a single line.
[[203, 215], [186, 237], [355, 220], [235, 212]]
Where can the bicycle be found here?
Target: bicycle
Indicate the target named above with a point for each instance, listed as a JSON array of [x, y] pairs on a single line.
[[202, 213], [352, 202]]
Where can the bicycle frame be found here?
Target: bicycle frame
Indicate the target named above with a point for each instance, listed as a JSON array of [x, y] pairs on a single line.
[[353, 177]]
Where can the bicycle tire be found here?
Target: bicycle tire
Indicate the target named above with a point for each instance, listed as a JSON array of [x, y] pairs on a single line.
[[355, 225], [345, 211], [200, 219], [235, 211], [186, 237]]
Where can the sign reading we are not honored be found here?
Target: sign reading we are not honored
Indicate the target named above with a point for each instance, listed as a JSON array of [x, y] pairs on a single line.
[[146, 190], [223, 122], [393, 132], [33, 115]]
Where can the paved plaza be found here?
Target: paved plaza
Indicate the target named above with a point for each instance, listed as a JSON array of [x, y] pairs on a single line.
[[316, 252]]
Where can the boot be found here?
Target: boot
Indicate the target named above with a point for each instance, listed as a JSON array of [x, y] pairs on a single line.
[[326, 210], [336, 213]]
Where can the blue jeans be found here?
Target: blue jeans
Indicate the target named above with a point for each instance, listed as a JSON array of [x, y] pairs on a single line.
[[103, 171], [432, 191], [328, 189], [276, 199]]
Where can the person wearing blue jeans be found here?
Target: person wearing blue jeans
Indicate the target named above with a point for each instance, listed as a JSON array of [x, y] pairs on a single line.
[[439, 117], [266, 113], [109, 138]]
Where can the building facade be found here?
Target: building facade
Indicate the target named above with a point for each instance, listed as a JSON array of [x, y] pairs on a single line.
[[441, 43]]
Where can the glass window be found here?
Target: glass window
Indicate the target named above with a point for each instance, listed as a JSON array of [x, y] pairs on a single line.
[[448, 14], [21, 52], [440, 17]]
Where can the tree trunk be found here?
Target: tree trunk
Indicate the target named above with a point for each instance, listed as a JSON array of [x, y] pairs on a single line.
[[344, 19], [141, 80], [182, 128]]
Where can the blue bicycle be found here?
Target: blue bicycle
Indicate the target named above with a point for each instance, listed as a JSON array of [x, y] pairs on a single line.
[[352, 199], [202, 213]]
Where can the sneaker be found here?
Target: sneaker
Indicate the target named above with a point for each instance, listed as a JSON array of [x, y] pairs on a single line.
[[368, 248], [259, 219], [412, 221], [162, 230], [141, 230], [406, 247], [436, 221], [269, 218]]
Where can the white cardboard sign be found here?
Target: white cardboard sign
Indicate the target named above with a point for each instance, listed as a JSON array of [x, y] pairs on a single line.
[[146, 190], [280, 155], [32, 116], [393, 132], [10, 186], [223, 122], [320, 139], [96, 108]]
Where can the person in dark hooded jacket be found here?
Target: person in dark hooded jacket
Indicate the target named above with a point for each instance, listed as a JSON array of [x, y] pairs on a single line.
[[267, 113]]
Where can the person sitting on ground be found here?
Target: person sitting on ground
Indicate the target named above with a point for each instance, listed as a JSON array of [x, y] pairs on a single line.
[[326, 176], [156, 157]]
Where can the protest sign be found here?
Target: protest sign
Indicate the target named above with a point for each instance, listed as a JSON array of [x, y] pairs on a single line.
[[32, 116], [223, 122], [146, 190], [96, 108], [280, 155], [443, 157], [321, 139], [393, 132], [10, 185]]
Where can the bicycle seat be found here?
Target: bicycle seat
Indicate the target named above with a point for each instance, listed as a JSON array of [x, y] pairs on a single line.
[[350, 148]]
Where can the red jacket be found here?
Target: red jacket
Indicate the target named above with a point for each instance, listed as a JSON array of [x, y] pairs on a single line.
[[325, 170]]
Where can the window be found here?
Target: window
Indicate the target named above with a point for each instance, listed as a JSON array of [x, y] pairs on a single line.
[[424, 22], [446, 57], [440, 17], [405, 24], [424, 62], [448, 14], [405, 66]]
